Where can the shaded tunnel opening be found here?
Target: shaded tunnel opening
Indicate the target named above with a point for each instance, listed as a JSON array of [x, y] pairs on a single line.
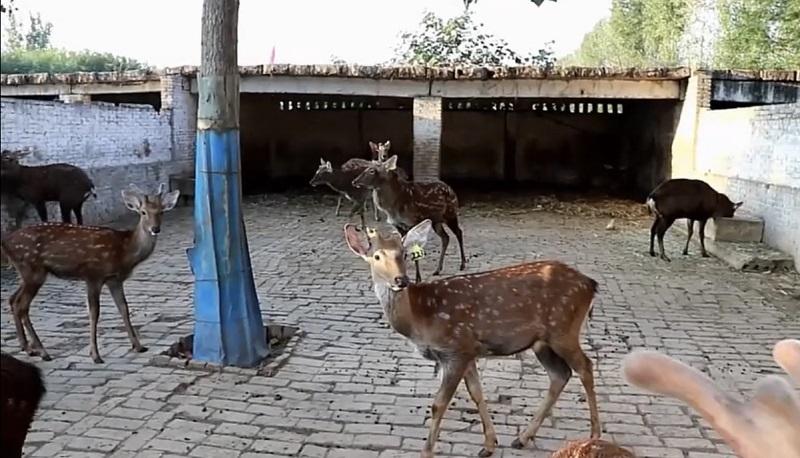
[[615, 147], [284, 136]]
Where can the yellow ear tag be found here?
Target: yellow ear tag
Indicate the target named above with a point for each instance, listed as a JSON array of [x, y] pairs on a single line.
[[371, 233], [417, 252]]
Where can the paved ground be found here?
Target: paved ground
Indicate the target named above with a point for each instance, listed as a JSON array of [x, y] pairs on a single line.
[[352, 388]]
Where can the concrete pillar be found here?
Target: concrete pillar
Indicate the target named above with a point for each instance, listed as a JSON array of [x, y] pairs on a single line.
[[176, 96], [427, 138], [697, 98], [75, 98]]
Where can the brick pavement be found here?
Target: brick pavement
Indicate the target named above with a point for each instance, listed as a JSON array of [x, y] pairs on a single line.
[[351, 387]]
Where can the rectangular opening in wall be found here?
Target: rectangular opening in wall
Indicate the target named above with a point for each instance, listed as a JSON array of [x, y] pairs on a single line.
[[138, 98]]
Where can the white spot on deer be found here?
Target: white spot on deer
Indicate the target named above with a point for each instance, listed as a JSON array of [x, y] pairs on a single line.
[[495, 312], [444, 316]]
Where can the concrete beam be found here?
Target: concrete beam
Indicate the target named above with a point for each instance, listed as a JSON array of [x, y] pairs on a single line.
[[767, 92], [338, 86], [556, 88], [88, 88]]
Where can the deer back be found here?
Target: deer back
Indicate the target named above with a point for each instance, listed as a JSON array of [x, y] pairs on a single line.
[[498, 312], [76, 252]]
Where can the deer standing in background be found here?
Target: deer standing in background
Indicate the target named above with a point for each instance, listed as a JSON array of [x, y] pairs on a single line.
[[380, 151], [96, 255], [409, 203], [66, 184], [454, 321], [341, 181], [766, 425]]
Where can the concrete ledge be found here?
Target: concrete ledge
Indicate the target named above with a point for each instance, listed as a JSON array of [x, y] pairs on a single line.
[[750, 256], [736, 229]]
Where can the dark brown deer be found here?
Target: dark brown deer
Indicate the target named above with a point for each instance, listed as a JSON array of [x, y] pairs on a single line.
[[66, 184], [766, 425], [341, 181], [96, 255], [21, 390], [408, 203], [694, 200], [454, 321], [380, 151]]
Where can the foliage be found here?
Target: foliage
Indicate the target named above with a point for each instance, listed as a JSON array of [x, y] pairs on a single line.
[[459, 41], [759, 34], [725, 33], [467, 3], [32, 52]]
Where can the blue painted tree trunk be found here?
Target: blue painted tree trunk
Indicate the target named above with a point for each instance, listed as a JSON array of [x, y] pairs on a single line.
[[228, 327]]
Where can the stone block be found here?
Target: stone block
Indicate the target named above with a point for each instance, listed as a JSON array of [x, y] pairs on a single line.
[[736, 229]]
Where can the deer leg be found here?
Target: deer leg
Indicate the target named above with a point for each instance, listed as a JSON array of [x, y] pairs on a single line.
[[23, 340], [559, 372], [453, 225], [78, 209], [689, 229], [30, 286], [662, 229], [118, 294], [653, 230], [93, 303], [580, 363], [338, 204], [702, 233], [473, 382], [66, 216], [439, 229], [41, 209], [453, 372]]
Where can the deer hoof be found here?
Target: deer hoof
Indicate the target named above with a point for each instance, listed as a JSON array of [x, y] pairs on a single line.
[[97, 360], [140, 349], [653, 254], [485, 453], [685, 252], [517, 444], [705, 255], [665, 258], [437, 273], [46, 357]]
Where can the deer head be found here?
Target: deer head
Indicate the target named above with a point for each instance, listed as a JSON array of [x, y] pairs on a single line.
[[373, 175], [150, 207], [380, 151], [324, 171], [387, 255], [9, 161]]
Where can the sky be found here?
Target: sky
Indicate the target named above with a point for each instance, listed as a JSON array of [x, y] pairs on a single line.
[[167, 32]]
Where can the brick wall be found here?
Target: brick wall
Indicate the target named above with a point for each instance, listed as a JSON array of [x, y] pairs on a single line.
[[753, 155], [116, 145], [427, 137]]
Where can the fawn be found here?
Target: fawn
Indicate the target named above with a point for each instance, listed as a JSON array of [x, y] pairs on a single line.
[[408, 203], [380, 151], [341, 181], [97, 255], [453, 321]]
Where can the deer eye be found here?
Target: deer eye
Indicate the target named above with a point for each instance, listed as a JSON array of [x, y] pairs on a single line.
[[372, 172], [377, 257]]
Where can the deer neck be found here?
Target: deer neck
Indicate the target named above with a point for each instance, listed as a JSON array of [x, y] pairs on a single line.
[[396, 307], [391, 192], [140, 245]]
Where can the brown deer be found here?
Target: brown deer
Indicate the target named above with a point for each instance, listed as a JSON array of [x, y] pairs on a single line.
[[408, 203], [380, 151], [453, 321], [97, 255], [767, 425], [341, 181], [21, 390]]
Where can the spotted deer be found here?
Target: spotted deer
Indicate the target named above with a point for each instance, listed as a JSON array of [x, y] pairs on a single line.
[[96, 255], [454, 321], [766, 425], [408, 203], [341, 181], [380, 151]]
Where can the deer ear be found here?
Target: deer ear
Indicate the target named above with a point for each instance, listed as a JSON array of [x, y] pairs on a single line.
[[356, 240], [321, 161], [161, 188], [391, 163], [373, 146], [387, 145], [418, 235], [132, 199], [737, 205], [169, 200]]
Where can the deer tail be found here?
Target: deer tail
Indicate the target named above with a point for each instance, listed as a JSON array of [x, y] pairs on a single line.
[[595, 287], [651, 207]]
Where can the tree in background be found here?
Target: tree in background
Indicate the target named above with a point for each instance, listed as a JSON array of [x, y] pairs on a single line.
[[459, 40], [724, 33], [32, 52]]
